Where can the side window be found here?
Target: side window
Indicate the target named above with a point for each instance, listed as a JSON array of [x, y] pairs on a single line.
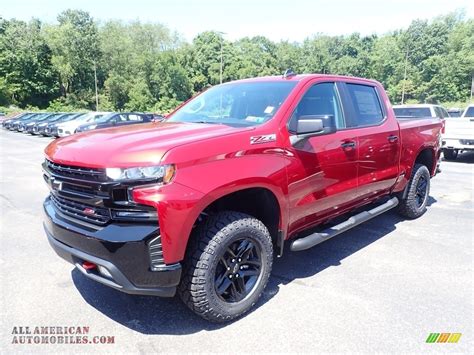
[[444, 112], [438, 112], [366, 104], [321, 99], [121, 118], [135, 118]]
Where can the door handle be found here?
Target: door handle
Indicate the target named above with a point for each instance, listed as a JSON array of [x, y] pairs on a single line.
[[348, 145], [392, 138]]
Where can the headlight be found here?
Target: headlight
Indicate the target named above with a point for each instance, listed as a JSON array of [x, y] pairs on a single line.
[[90, 127], [161, 173]]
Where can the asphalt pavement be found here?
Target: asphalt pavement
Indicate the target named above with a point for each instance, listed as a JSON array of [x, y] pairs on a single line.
[[381, 287]]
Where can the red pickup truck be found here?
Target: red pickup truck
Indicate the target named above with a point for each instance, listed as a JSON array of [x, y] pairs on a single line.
[[201, 203]]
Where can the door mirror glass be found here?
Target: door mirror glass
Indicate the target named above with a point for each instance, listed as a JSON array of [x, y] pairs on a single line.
[[316, 125]]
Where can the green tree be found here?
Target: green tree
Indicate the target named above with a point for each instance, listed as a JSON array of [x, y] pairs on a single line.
[[75, 46], [28, 76]]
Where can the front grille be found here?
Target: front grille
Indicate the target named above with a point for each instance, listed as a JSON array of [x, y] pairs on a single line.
[[76, 172], [92, 214], [156, 253]]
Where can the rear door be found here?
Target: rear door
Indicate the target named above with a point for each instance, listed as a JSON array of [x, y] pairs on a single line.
[[378, 139]]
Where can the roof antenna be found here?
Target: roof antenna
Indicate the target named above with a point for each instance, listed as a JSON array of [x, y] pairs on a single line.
[[289, 73]]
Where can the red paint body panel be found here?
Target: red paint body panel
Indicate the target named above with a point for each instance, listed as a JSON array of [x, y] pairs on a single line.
[[312, 182]]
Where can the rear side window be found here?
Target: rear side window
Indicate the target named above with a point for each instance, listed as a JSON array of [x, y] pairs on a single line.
[[366, 104]]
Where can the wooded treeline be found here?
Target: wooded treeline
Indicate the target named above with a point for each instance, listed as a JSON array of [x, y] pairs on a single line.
[[148, 67]]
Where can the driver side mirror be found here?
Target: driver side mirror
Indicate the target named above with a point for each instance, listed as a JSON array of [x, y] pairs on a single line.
[[312, 125]]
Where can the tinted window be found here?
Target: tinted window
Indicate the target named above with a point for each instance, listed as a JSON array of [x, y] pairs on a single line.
[[412, 112], [439, 113], [121, 118], [321, 100], [366, 104], [444, 112], [469, 112]]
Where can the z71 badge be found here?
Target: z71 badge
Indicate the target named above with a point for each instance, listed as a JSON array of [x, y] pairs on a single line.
[[263, 139]]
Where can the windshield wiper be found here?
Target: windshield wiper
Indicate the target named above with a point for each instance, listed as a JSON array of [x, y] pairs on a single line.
[[211, 122]]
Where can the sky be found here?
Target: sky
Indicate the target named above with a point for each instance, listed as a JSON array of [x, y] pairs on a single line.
[[292, 20]]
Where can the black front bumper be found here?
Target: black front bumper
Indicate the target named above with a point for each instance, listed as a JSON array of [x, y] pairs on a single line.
[[122, 248]]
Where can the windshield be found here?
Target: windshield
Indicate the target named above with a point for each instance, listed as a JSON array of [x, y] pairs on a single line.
[[412, 112], [236, 104]]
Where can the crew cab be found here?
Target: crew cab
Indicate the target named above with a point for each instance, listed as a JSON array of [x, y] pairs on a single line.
[[202, 202]]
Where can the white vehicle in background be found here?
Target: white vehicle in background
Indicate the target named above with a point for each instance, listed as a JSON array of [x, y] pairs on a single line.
[[420, 111], [459, 134], [68, 128]]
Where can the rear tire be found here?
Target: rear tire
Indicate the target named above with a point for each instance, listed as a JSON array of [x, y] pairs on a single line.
[[450, 154], [414, 205], [227, 266]]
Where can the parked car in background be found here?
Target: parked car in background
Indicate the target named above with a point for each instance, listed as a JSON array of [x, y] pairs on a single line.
[[9, 124], [116, 119], [21, 125], [51, 128], [29, 126], [69, 127], [459, 134], [41, 128], [420, 111], [6, 122], [417, 111], [455, 112]]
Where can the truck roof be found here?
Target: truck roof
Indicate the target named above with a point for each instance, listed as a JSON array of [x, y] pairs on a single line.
[[305, 77]]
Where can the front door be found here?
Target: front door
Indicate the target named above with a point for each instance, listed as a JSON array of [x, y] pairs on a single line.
[[322, 176]]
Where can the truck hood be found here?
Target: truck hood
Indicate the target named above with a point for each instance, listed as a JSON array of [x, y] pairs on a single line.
[[459, 128], [134, 145]]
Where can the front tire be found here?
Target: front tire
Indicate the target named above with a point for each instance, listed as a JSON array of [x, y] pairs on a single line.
[[414, 205], [227, 266]]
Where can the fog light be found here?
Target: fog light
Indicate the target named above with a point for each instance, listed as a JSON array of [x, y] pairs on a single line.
[[103, 270]]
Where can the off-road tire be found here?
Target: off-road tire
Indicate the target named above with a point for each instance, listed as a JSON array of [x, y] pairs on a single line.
[[410, 206], [207, 245]]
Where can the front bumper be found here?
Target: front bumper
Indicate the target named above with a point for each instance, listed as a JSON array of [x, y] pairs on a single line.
[[121, 248]]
